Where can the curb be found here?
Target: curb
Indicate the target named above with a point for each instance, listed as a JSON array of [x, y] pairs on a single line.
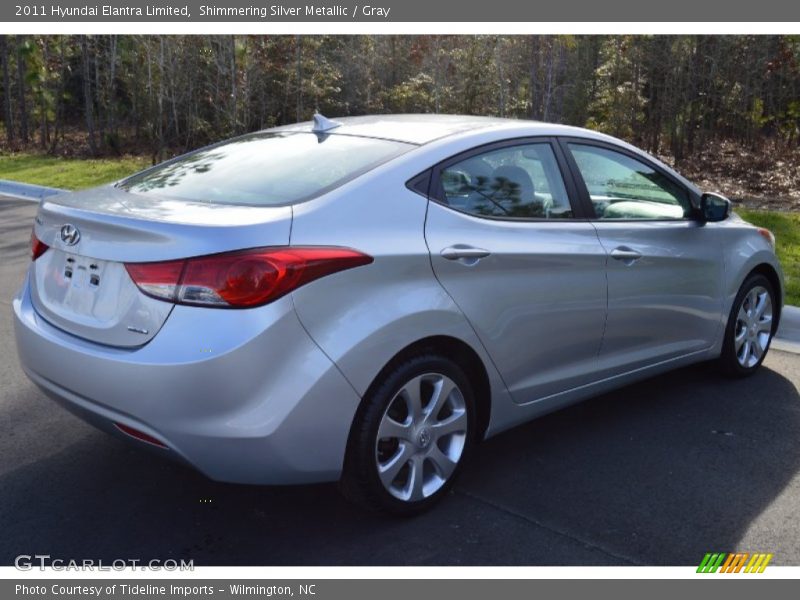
[[784, 346], [788, 336], [27, 191]]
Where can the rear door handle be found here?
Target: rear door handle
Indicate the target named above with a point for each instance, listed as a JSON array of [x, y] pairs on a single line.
[[625, 254], [462, 251]]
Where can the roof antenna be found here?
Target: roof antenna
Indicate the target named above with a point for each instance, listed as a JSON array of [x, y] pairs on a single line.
[[323, 124]]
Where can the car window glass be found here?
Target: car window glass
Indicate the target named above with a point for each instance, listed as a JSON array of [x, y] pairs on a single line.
[[265, 169], [621, 187], [514, 182]]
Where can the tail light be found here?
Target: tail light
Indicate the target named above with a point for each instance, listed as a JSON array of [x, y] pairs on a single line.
[[241, 279], [38, 247]]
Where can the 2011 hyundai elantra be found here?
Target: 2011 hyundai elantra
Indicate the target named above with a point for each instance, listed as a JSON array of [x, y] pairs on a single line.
[[363, 300]]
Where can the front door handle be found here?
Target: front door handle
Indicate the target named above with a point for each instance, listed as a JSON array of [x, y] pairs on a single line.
[[462, 251], [625, 254]]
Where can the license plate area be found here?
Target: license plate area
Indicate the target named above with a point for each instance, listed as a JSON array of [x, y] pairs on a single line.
[[80, 287], [94, 299], [81, 272]]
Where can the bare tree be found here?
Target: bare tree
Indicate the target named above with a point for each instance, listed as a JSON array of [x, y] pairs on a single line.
[[87, 95], [7, 111], [21, 92]]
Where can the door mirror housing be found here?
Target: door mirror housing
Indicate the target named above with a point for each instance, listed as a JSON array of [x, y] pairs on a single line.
[[714, 207]]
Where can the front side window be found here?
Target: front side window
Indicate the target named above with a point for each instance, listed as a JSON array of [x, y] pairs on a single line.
[[512, 182], [621, 187], [266, 169]]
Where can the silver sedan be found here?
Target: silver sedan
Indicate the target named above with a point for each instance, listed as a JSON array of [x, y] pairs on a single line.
[[363, 300]]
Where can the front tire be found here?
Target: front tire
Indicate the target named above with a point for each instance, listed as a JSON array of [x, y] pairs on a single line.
[[750, 328], [410, 437]]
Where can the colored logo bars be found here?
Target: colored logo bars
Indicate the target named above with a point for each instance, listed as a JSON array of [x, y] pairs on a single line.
[[734, 563]]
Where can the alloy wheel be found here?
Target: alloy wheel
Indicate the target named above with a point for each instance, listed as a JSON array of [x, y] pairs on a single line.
[[421, 437], [753, 326]]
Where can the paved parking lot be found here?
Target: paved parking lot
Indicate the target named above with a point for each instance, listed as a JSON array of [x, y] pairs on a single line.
[[658, 473]]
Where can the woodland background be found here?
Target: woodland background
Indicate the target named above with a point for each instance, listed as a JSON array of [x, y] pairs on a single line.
[[724, 109]]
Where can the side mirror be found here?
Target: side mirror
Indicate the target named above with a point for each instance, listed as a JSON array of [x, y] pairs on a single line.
[[714, 207]]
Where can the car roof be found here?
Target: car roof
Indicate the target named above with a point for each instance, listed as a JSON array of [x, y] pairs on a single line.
[[422, 129], [419, 128]]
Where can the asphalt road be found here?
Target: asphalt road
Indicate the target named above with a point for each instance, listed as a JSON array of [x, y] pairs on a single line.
[[658, 473]]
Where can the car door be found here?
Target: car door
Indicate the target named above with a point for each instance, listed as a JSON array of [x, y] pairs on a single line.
[[665, 268], [518, 257]]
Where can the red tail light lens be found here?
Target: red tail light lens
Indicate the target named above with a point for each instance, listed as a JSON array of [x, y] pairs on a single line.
[[38, 247], [241, 279], [158, 279]]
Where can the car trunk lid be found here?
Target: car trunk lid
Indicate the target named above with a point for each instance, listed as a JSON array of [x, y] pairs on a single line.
[[81, 285]]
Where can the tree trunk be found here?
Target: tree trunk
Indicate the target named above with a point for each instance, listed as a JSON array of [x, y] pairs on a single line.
[[234, 90], [548, 92], [98, 92], [44, 123], [6, 91], [59, 95], [112, 92], [501, 78], [23, 108], [535, 58], [87, 96], [160, 121], [299, 78]]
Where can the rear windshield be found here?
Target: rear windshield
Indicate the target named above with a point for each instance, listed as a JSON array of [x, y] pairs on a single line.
[[266, 169]]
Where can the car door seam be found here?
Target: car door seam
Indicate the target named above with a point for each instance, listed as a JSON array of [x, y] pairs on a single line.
[[605, 272], [453, 300]]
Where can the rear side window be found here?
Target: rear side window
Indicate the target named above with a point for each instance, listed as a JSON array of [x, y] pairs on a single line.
[[266, 169], [516, 182]]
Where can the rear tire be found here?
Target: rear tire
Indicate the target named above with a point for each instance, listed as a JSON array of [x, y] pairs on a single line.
[[411, 435], [750, 327]]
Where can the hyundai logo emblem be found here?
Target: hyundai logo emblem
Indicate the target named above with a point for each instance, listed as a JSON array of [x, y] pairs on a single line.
[[70, 235]]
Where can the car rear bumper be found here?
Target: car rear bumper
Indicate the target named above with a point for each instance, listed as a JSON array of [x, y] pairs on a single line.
[[242, 395]]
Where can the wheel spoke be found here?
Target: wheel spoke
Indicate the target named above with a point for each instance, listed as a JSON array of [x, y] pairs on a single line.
[[455, 423], [412, 393], [745, 353], [752, 300], [765, 325], [416, 478], [389, 470], [739, 339], [443, 463], [391, 429], [441, 392], [764, 303], [756, 349]]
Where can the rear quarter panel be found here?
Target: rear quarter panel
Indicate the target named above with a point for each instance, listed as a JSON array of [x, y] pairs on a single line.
[[361, 318]]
